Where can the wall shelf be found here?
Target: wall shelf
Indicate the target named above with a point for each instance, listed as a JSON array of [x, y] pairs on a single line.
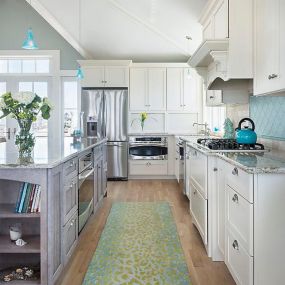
[[32, 246], [8, 211]]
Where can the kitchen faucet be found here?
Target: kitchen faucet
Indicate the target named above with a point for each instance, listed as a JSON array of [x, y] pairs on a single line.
[[206, 130]]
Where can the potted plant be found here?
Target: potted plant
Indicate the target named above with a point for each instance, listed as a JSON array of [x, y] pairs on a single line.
[[25, 107]]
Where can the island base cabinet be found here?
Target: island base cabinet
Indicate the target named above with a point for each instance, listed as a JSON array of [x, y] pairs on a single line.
[[239, 263], [70, 237]]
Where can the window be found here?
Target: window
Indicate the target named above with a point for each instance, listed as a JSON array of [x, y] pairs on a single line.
[[215, 117], [25, 66], [40, 127], [71, 106]]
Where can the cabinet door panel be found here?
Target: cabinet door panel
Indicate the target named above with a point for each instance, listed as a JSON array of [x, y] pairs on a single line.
[[116, 76], [93, 76], [267, 53], [199, 212], [156, 88], [190, 90], [175, 89], [138, 89]]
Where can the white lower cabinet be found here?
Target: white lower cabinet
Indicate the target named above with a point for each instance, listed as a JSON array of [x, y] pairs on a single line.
[[238, 261], [240, 218], [199, 212], [147, 167]]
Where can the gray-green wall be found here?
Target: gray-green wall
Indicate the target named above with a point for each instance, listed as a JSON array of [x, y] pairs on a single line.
[[15, 18]]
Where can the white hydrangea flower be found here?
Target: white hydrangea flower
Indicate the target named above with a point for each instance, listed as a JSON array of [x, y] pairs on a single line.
[[2, 103], [25, 97]]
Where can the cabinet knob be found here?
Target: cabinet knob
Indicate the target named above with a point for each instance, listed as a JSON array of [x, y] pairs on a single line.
[[194, 192], [235, 198], [235, 171], [212, 97], [71, 185], [235, 245], [272, 76], [71, 163], [215, 169]]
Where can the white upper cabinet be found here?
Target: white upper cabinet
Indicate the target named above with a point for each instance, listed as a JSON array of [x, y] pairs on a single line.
[[148, 89], [116, 76], [105, 73], [269, 68], [157, 89], [93, 76], [215, 20], [138, 89], [181, 89]]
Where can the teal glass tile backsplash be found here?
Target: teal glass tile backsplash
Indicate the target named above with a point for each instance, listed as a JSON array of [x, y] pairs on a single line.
[[268, 114]]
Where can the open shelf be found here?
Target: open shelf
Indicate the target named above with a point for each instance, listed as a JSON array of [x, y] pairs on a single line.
[[32, 246], [8, 211]]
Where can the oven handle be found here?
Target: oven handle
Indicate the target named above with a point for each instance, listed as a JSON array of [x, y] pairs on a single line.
[[83, 177], [147, 144]]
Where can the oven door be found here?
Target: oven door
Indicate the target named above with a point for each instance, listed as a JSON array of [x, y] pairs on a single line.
[[148, 151], [85, 196]]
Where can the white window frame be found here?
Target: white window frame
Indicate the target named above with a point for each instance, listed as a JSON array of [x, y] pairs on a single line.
[[69, 75], [54, 132]]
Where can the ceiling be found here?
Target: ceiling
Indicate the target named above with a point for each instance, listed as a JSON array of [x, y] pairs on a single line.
[[141, 30]]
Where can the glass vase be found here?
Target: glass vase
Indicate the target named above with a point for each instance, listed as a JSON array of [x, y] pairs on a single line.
[[25, 141]]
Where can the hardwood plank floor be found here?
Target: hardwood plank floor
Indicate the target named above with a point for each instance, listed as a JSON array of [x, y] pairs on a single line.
[[202, 270]]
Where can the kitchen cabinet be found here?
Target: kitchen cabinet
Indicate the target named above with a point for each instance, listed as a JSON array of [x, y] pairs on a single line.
[[147, 167], [98, 181], [269, 68], [70, 237], [187, 172], [105, 76], [182, 84], [147, 89]]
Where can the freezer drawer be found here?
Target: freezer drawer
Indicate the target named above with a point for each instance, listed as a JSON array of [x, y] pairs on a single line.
[[117, 160]]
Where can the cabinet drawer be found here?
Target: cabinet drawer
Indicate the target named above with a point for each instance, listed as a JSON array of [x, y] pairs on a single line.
[[70, 168], [199, 209], [240, 218], [70, 237], [240, 181], [70, 198], [148, 167], [239, 263]]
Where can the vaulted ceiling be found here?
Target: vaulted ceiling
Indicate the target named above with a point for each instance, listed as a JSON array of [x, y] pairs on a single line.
[[141, 30]]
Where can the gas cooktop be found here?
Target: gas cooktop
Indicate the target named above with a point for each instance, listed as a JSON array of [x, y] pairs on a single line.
[[229, 145]]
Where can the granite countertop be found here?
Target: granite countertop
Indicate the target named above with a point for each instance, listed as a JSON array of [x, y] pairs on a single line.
[[47, 153], [251, 162]]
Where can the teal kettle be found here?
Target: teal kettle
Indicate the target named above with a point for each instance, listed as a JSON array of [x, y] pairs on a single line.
[[246, 134]]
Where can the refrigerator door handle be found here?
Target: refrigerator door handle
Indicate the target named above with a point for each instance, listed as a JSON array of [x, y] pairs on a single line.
[[111, 144]]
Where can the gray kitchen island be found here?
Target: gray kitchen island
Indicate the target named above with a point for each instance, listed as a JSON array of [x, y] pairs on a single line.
[[52, 232]]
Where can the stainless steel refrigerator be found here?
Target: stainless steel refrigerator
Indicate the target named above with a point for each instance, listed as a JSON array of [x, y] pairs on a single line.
[[105, 114]]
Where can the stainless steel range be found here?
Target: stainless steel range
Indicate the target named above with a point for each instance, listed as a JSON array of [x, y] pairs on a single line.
[[148, 147], [225, 145]]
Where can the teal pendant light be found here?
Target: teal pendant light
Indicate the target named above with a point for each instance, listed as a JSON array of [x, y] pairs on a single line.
[[80, 74], [29, 42]]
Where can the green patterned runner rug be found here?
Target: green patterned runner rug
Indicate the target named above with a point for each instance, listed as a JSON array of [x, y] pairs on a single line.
[[139, 245]]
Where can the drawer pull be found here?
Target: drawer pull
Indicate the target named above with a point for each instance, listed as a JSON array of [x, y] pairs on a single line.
[[235, 171], [235, 245], [235, 198]]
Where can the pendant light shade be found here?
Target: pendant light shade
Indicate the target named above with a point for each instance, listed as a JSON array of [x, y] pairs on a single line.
[[29, 42], [80, 74]]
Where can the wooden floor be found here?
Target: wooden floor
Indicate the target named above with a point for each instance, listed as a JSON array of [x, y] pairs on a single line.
[[202, 269]]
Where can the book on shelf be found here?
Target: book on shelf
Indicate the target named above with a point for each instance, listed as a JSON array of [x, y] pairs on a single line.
[[29, 198]]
